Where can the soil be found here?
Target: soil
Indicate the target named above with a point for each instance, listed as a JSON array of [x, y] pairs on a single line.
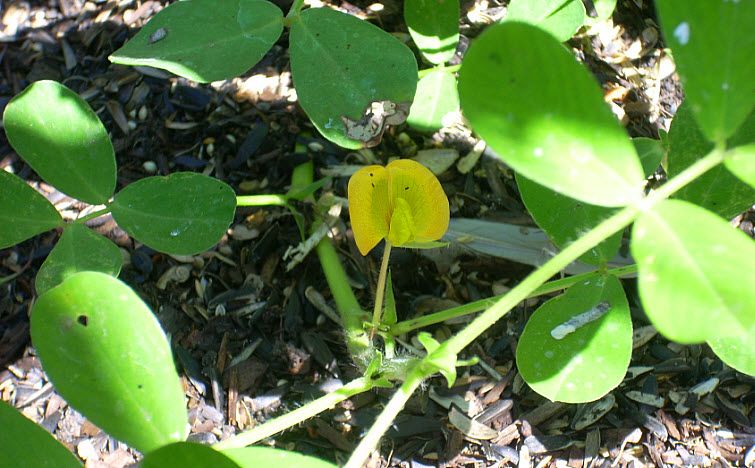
[[678, 406]]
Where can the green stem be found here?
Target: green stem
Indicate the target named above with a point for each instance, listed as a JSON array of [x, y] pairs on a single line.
[[552, 286], [92, 215], [386, 417], [292, 418], [380, 292], [293, 13], [352, 314], [464, 337], [261, 200]]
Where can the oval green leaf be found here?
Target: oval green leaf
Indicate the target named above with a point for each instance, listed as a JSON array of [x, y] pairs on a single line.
[[651, 153], [557, 132], [576, 347], [56, 132], [741, 162], [264, 456], [205, 40], [23, 443], [185, 454], [106, 354], [564, 219], [736, 351], [436, 97], [181, 214], [718, 190], [24, 212], [712, 42], [352, 78], [694, 281], [434, 26], [561, 18], [79, 249]]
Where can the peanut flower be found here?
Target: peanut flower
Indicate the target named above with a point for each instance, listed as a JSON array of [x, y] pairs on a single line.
[[402, 202]]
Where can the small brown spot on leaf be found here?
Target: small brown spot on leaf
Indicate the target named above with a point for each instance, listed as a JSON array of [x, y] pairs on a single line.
[[83, 320]]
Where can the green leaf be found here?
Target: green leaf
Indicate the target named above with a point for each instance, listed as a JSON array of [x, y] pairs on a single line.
[[576, 347], [182, 214], [694, 281], [205, 40], [737, 351], [544, 115], [186, 454], [438, 359], [264, 456], [741, 162], [56, 132], [24, 212], [344, 68], [106, 354], [564, 219], [79, 249], [24, 443], [712, 42], [434, 26], [718, 190], [561, 18], [651, 153], [604, 9], [436, 97]]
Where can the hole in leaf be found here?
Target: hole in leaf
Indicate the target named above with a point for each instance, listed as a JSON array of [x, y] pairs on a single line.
[[83, 319]]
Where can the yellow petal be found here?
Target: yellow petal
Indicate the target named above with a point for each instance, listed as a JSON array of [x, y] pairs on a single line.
[[369, 207], [402, 228], [427, 202]]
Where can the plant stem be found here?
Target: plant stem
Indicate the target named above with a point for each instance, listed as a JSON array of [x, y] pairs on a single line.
[[261, 200], [380, 292], [301, 414], [352, 314], [468, 334], [293, 12], [438, 317], [92, 215], [384, 420]]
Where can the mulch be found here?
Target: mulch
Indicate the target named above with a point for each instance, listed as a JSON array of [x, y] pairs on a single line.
[[250, 336]]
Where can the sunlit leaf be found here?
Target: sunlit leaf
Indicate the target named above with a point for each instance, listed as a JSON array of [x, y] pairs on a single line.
[[712, 43], [434, 26], [561, 18], [340, 79], [741, 162], [56, 132], [694, 281], [576, 347], [185, 454], [205, 40], [106, 354], [737, 351], [436, 98], [183, 213], [23, 443], [79, 249], [552, 127], [24, 212], [651, 153]]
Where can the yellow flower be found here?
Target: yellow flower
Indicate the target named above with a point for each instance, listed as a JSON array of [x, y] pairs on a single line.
[[402, 202]]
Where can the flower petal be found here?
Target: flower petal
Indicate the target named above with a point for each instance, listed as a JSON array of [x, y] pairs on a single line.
[[423, 193], [369, 207]]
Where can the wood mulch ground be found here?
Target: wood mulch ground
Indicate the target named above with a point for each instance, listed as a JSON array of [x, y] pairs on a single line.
[[250, 336]]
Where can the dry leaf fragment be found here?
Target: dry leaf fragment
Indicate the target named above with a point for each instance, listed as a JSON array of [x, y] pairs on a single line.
[[375, 119]]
